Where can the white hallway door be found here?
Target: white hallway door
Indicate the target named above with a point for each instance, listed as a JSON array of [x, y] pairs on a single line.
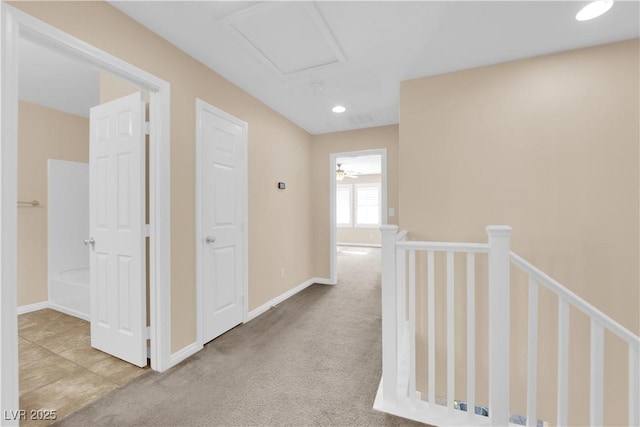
[[221, 188], [117, 229]]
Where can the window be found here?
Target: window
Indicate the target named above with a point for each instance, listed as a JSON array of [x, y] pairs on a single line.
[[343, 205], [358, 205], [367, 205]]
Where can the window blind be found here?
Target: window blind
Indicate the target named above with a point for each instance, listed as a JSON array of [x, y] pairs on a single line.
[[343, 204], [368, 204]]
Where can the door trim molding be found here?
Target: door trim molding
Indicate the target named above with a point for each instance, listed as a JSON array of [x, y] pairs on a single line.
[[384, 212], [200, 107], [17, 24]]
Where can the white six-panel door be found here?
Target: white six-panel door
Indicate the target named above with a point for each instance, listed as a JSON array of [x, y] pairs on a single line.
[[221, 175], [117, 229]]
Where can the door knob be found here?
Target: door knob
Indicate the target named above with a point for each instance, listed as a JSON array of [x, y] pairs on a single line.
[[89, 241], [210, 239]]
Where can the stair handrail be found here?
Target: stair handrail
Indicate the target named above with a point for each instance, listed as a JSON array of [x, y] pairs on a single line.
[[397, 398], [588, 309]]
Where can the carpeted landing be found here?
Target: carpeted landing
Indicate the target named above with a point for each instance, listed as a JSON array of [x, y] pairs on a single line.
[[313, 360]]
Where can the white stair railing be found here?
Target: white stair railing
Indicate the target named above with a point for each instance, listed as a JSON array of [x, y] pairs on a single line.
[[397, 393], [599, 322]]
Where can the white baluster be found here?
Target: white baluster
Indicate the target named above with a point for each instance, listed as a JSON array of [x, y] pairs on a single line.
[[596, 373], [401, 286], [412, 324], [532, 346], [499, 263], [431, 326], [563, 361], [634, 386], [451, 352], [403, 302], [471, 335], [389, 316]]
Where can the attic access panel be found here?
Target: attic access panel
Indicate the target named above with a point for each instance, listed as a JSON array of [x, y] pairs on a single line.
[[289, 37]]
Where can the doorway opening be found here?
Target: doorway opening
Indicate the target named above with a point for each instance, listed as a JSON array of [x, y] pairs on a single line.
[[18, 28], [358, 203], [59, 365]]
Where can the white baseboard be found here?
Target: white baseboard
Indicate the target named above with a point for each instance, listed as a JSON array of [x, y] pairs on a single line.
[[46, 304], [277, 300], [32, 307], [323, 281], [70, 311], [184, 353], [362, 245]]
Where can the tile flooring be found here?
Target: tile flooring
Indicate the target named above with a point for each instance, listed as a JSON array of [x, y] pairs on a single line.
[[58, 368]]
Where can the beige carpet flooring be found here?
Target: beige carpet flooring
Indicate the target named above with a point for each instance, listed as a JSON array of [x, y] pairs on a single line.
[[315, 360]]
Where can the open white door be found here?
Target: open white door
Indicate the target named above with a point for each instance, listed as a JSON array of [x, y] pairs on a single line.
[[221, 141], [117, 229]]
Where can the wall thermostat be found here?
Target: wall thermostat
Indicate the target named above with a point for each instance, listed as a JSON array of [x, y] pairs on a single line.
[[281, 186]]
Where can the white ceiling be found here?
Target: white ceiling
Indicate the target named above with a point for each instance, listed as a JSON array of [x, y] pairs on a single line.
[[359, 51], [55, 81], [302, 58]]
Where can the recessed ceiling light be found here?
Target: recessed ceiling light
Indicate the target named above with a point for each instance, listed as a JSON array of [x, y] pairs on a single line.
[[594, 9], [338, 109]]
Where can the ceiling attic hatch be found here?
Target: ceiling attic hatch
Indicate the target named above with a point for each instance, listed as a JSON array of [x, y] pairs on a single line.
[[291, 38]]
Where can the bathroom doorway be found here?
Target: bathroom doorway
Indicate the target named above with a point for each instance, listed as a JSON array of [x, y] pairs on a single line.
[[59, 369], [18, 27]]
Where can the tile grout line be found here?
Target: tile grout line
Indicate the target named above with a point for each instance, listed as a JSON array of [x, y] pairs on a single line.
[[88, 369], [85, 367], [66, 376], [67, 359]]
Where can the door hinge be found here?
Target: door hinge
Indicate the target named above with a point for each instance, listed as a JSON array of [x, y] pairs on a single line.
[[147, 127], [148, 333], [147, 230]]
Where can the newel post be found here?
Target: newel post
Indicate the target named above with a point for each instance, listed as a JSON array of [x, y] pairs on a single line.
[[499, 262], [389, 315]]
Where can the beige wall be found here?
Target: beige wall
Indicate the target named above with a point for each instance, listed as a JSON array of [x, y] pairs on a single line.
[[340, 142], [43, 134], [366, 235], [279, 222], [112, 88], [550, 146]]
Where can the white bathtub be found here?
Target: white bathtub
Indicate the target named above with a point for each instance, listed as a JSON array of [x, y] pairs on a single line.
[[68, 226], [69, 293]]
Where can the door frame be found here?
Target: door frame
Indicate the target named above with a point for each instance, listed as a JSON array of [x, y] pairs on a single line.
[[16, 24], [202, 106], [384, 212]]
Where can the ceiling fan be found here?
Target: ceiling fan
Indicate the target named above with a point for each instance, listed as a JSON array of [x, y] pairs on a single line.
[[341, 174]]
